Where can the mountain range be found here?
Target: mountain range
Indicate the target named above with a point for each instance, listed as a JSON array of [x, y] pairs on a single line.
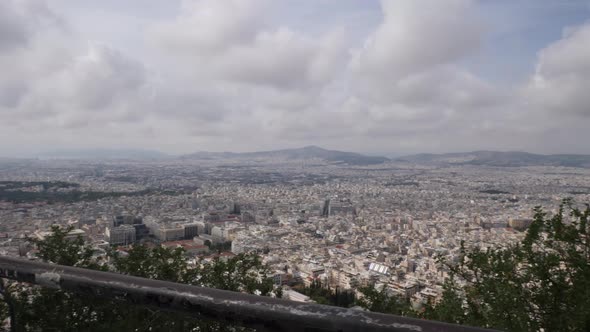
[[501, 159], [305, 153], [484, 158], [130, 154]]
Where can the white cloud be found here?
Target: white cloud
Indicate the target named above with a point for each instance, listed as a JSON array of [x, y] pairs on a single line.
[[21, 20], [94, 88], [51, 81], [231, 41], [281, 58], [407, 81], [562, 75], [446, 86], [409, 65], [100, 78], [416, 35], [28, 34], [210, 26], [225, 76]]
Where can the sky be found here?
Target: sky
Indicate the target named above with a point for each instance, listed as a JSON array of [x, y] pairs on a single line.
[[387, 77]]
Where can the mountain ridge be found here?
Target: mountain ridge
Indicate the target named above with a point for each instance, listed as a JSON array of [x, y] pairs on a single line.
[[307, 152], [499, 158], [101, 153], [480, 157]]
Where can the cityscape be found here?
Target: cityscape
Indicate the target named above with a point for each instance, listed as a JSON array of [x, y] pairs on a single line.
[[310, 220], [289, 165]]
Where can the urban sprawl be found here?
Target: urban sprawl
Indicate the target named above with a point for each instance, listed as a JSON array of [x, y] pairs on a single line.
[[309, 220]]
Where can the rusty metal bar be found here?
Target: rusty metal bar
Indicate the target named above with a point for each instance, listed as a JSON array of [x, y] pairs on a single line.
[[263, 313]]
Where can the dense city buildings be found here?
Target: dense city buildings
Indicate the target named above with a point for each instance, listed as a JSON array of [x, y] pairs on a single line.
[[342, 225]]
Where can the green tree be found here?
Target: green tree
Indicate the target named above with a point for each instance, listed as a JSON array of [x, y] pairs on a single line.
[[449, 309], [57, 248], [379, 300], [153, 263], [323, 294], [241, 273], [42, 309], [541, 283]]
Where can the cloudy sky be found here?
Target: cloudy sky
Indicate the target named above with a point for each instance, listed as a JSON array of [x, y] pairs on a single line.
[[383, 77]]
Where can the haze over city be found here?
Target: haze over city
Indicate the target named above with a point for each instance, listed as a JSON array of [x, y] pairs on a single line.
[[387, 78]]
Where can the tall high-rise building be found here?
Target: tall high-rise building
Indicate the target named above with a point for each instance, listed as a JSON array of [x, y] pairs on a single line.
[[236, 208], [121, 235], [326, 208], [190, 230], [119, 220]]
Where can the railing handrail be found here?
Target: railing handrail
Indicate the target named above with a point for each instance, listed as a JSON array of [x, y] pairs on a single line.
[[263, 313]]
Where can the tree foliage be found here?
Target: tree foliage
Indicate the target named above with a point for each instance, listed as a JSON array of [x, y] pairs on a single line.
[[323, 294], [542, 283], [449, 309], [159, 263], [57, 248], [242, 273], [42, 309], [379, 300]]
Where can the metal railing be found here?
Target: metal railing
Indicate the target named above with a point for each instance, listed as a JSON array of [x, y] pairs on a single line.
[[261, 313]]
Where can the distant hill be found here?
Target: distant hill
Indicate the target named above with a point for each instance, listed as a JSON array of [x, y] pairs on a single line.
[[495, 158], [308, 152], [132, 154]]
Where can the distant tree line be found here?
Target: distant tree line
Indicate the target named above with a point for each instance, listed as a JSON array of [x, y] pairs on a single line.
[[9, 192], [494, 192], [45, 184]]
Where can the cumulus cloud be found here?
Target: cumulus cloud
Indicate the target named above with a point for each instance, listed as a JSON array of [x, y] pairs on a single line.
[[562, 75], [407, 76], [93, 88], [210, 26], [51, 81], [416, 35], [13, 31], [98, 79], [282, 58], [27, 31], [231, 41], [226, 75], [407, 73], [20, 20], [446, 86]]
